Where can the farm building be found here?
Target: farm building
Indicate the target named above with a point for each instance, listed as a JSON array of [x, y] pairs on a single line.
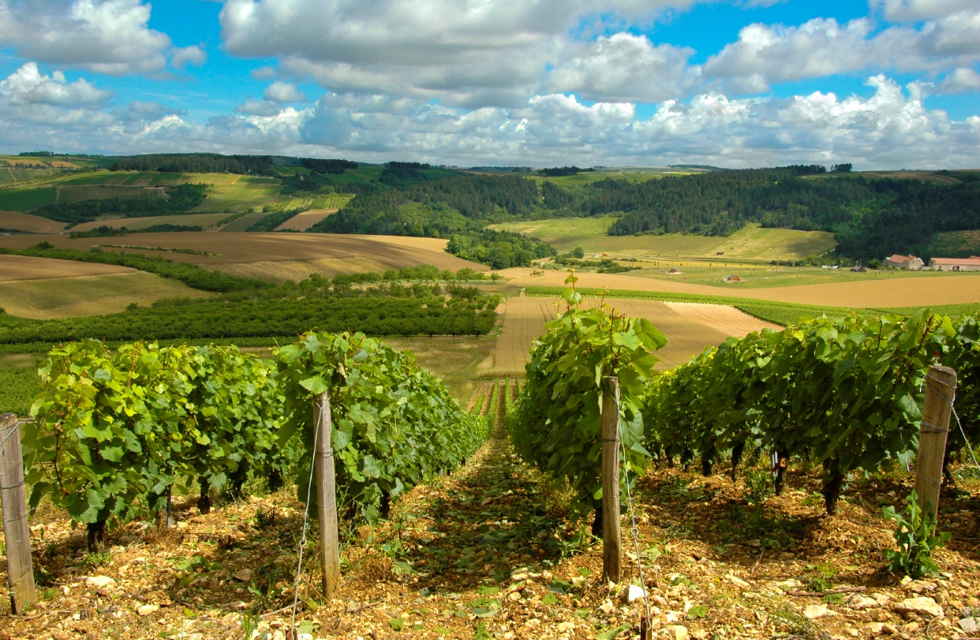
[[956, 264], [904, 262]]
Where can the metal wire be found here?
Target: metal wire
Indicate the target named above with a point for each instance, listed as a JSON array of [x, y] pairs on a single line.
[[633, 528], [306, 514], [959, 423]]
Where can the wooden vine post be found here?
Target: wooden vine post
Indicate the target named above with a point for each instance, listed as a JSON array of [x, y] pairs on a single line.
[[612, 541], [326, 487], [940, 392], [20, 569]]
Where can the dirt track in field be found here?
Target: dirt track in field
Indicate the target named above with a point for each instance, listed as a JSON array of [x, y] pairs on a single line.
[[910, 292], [689, 328]]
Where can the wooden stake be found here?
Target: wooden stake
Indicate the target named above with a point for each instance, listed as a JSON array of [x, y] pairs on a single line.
[[940, 391], [326, 488], [20, 569], [612, 544]]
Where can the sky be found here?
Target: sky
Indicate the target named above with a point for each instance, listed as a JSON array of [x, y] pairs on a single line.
[[881, 84]]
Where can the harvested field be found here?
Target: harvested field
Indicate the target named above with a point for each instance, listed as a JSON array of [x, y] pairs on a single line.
[[750, 243], [16, 221], [523, 322], [689, 328], [282, 255], [88, 295], [947, 288], [15, 268], [728, 320], [305, 220]]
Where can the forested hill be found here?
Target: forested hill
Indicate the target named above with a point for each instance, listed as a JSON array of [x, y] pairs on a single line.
[[869, 217], [217, 163], [437, 207]]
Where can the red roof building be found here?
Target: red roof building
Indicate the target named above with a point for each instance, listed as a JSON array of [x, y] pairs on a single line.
[[904, 262], [956, 264]]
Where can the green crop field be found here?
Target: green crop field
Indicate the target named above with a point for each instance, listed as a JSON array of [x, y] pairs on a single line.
[[245, 195], [111, 178], [25, 199], [212, 178], [626, 173], [753, 243], [75, 193], [13, 174]]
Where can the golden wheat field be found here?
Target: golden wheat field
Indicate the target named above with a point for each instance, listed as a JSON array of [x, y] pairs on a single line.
[[78, 296], [689, 328], [279, 256], [16, 221], [305, 220], [906, 292]]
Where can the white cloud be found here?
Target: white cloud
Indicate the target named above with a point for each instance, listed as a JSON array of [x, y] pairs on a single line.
[[264, 108], [27, 86], [777, 53], [193, 55], [140, 111], [959, 81], [624, 67], [108, 36], [766, 54], [916, 10], [283, 92], [472, 53]]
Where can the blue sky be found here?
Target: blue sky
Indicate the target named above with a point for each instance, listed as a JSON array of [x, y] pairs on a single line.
[[733, 83]]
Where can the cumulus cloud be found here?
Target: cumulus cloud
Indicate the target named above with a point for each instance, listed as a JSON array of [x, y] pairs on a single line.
[[880, 131], [193, 56], [624, 67], [470, 54], [264, 108], [777, 53], [141, 111], [283, 92], [916, 10], [959, 81], [766, 54], [27, 86], [108, 36]]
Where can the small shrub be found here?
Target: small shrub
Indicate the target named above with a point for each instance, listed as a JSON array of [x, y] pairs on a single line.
[[916, 540]]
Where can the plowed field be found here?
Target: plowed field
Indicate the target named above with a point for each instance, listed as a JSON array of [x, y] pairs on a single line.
[[281, 255], [16, 221]]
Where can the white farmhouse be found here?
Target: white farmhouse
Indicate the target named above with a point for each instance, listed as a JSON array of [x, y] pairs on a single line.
[[904, 262]]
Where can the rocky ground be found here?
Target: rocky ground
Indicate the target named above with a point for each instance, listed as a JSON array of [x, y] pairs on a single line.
[[490, 553]]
